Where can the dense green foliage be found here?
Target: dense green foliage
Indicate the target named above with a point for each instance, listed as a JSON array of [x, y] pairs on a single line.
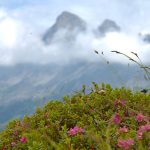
[[101, 118]]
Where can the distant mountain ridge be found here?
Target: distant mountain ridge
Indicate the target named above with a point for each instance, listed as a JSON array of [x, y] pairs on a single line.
[[69, 25]]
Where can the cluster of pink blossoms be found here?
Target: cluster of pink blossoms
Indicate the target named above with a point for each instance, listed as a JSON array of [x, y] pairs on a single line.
[[125, 144], [142, 129], [140, 117], [75, 130], [116, 118]]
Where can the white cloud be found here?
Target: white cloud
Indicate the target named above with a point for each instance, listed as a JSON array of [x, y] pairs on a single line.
[[2, 14], [8, 32], [121, 42], [21, 30]]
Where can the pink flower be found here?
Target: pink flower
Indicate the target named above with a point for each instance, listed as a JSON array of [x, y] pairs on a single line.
[[124, 129], [139, 135], [140, 117], [23, 140], [126, 113], [75, 130], [147, 127], [72, 132], [120, 103], [142, 129], [80, 130], [130, 142], [13, 144], [116, 119], [125, 144]]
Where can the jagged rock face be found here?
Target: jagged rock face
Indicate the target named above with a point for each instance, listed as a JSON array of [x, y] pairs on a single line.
[[108, 26], [68, 24]]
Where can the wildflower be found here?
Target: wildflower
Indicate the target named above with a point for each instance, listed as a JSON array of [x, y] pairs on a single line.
[[120, 103], [130, 142], [80, 130], [75, 130], [147, 127], [139, 135], [72, 131], [142, 129], [13, 144], [126, 113], [125, 144], [23, 140], [116, 119], [124, 129], [140, 117]]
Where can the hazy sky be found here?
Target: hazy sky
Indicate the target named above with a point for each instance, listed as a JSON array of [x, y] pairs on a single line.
[[23, 22]]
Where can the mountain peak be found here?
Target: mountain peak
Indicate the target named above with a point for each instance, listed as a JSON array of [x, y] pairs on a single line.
[[70, 20], [66, 14], [66, 21], [108, 26]]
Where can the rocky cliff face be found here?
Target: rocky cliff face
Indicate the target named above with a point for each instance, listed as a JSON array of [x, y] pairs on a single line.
[[66, 27]]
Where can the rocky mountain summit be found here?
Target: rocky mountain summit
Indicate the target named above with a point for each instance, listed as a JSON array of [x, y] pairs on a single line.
[[108, 26], [68, 24]]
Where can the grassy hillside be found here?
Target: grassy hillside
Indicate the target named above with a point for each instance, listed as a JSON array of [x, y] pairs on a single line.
[[99, 118]]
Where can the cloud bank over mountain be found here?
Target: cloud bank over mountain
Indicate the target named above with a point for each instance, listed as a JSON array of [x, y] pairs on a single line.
[[22, 29]]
